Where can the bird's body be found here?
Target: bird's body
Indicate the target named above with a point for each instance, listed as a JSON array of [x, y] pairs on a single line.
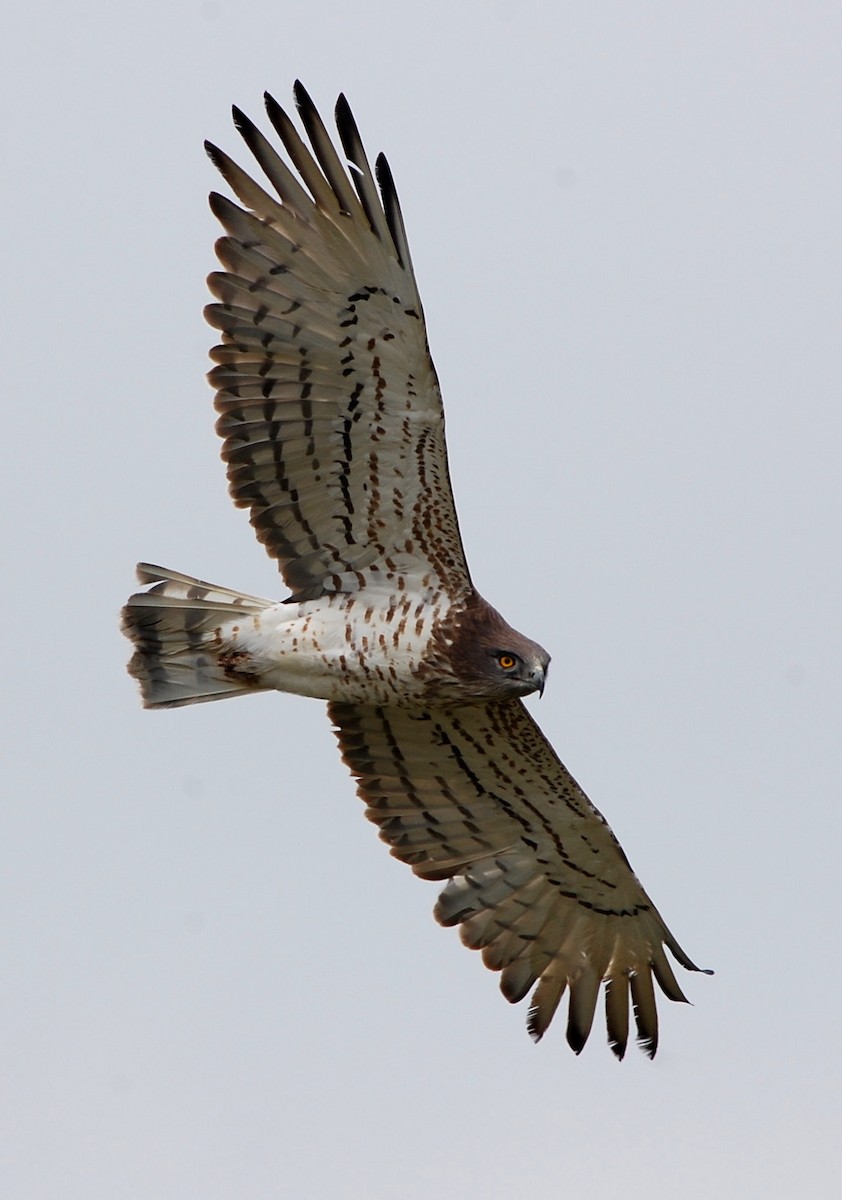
[[371, 646], [333, 432]]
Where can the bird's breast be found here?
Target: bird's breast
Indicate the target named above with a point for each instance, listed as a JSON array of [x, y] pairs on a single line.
[[358, 648]]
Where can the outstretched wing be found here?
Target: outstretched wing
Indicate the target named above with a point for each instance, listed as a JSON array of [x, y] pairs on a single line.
[[538, 882], [330, 408]]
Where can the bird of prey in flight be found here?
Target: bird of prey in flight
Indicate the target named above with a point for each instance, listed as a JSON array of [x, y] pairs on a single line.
[[332, 429]]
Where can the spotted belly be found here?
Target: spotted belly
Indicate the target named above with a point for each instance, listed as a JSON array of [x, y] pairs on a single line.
[[357, 649]]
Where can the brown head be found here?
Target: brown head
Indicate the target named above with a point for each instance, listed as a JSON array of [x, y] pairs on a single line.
[[478, 656]]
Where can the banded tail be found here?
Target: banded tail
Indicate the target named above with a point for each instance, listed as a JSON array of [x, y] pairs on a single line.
[[175, 629]]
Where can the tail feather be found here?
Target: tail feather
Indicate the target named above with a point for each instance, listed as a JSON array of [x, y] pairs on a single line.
[[175, 627]]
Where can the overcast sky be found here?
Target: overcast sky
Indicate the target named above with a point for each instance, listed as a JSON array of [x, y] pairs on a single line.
[[625, 221]]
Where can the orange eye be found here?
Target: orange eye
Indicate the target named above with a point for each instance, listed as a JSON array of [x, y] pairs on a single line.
[[506, 661]]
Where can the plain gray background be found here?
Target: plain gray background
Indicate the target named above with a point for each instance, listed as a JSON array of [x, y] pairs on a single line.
[[625, 219]]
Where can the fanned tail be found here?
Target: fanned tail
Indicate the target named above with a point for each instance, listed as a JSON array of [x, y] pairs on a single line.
[[175, 627]]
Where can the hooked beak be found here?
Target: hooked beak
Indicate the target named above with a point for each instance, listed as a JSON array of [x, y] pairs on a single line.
[[539, 677]]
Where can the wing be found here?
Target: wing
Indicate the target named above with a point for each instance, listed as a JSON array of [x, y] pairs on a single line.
[[538, 882], [330, 408]]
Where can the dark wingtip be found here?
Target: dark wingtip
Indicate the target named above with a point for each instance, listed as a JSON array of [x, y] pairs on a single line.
[[391, 207], [649, 1046], [276, 114], [513, 990], [246, 128], [239, 118], [218, 203], [532, 1026], [342, 112], [576, 1038], [618, 1049], [384, 172], [538, 1017], [213, 153], [303, 102]]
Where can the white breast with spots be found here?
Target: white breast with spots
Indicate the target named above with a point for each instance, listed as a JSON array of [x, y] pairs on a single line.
[[361, 648]]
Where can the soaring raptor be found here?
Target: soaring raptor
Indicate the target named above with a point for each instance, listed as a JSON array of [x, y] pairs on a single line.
[[333, 431]]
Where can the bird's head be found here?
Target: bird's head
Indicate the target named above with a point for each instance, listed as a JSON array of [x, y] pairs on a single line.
[[518, 668], [492, 661]]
